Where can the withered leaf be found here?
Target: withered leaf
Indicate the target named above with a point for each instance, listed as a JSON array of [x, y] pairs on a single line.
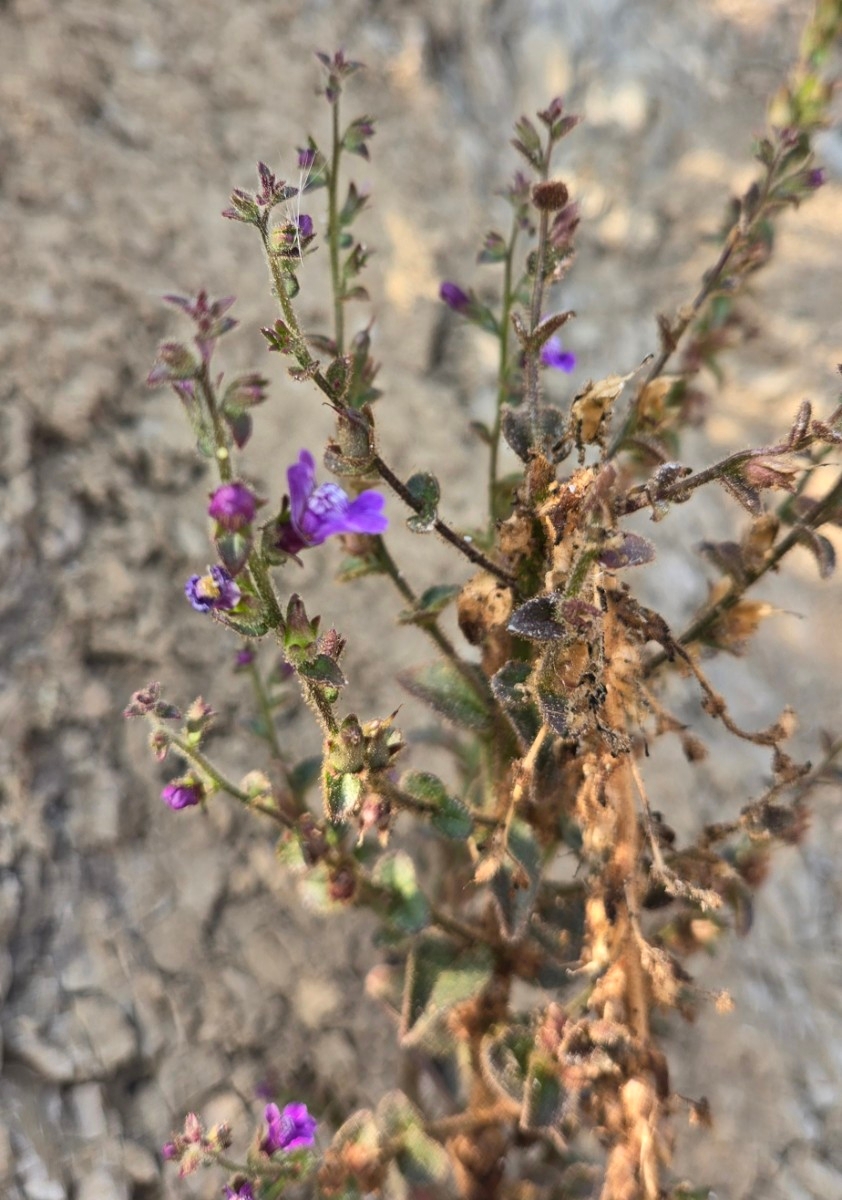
[[821, 548], [747, 496], [630, 550]]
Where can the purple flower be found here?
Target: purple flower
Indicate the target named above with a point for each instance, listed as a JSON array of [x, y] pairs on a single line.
[[305, 226], [454, 297], [320, 512], [816, 177], [552, 355], [243, 658], [212, 592], [182, 793], [242, 1192], [306, 157], [291, 1129], [232, 506]]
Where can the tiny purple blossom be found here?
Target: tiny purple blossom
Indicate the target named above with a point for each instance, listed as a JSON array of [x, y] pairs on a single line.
[[817, 177], [181, 793], [306, 158], [244, 1191], [454, 297], [233, 506], [243, 658], [212, 592], [321, 512], [552, 355], [305, 225], [291, 1129]]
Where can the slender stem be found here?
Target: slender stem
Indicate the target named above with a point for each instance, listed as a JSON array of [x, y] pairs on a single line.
[[402, 799], [333, 233], [270, 731], [737, 235], [219, 781], [470, 1122], [222, 455], [502, 373], [464, 546], [532, 355], [530, 367], [681, 488], [306, 361], [263, 585], [393, 571], [706, 619]]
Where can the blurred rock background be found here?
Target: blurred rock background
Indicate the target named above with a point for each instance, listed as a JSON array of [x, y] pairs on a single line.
[[151, 962]]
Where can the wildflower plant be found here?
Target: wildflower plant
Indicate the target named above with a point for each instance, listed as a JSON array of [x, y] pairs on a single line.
[[548, 709]]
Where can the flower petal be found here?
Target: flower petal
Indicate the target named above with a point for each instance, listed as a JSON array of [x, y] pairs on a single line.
[[301, 477]]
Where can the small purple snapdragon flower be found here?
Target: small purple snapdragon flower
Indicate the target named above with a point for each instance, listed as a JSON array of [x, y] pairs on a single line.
[[317, 513], [213, 592], [182, 793], [553, 355], [233, 506], [292, 1129], [454, 297]]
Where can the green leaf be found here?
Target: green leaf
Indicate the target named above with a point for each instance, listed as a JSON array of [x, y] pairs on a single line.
[[423, 1162], [314, 890], [354, 567], [433, 601], [543, 1094], [528, 142], [510, 688], [425, 491], [494, 248], [439, 976], [506, 1059], [342, 795], [305, 774], [407, 909], [450, 816], [233, 550], [240, 424], [321, 669], [250, 625], [515, 885], [355, 202], [289, 851], [447, 692]]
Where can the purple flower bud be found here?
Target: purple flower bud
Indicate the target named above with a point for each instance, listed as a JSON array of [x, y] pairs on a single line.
[[244, 658], [173, 362], [183, 793], [291, 1129], [317, 513], [552, 355], [232, 506], [454, 297], [169, 1151], [817, 177], [242, 1191], [212, 592], [305, 226], [209, 318], [306, 158]]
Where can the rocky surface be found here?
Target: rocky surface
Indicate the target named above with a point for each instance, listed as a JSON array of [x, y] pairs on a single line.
[[151, 963]]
